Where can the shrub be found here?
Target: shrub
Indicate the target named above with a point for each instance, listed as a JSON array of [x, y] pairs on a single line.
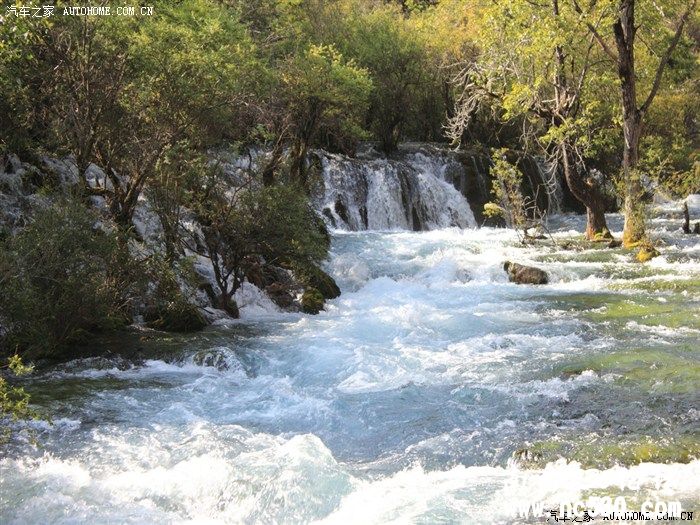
[[507, 192], [169, 305], [14, 401], [60, 278], [275, 223]]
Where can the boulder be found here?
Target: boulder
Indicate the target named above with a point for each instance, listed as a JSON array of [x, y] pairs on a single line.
[[280, 295], [311, 276], [312, 301], [526, 458], [64, 172], [519, 274]]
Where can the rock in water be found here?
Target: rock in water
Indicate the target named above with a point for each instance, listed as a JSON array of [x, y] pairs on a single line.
[[526, 458], [312, 301], [646, 253], [519, 274], [280, 295]]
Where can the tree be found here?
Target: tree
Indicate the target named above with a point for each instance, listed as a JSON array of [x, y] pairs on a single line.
[[62, 277], [196, 95], [537, 67], [244, 223], [324, 93], [123, 92], [627, 18], [510, 202], [445, 30], [382, 40]]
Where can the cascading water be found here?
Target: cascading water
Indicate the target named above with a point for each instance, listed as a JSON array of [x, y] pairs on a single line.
[[552, 179], [421, 187], [407, 193]]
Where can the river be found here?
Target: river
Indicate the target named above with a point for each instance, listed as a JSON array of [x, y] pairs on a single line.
[[406, 401]]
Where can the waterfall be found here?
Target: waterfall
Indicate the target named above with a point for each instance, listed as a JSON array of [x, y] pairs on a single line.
[[414, 190], [552, 179]]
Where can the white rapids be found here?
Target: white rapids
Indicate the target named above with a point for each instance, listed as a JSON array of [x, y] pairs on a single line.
[[403, 402]]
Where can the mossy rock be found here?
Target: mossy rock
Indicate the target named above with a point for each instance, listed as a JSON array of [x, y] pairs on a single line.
[[606, 452], [647, 312], [528, 458], [311, 276], [647, 253], [690, 285], [602, 236], [312, 301], [176, 317], [651, 369]]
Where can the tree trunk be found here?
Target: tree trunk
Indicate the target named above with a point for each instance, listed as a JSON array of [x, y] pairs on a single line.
[[634, 230], [596, 225], [625, 30], [298, 162], [228, 305], [589, 195]]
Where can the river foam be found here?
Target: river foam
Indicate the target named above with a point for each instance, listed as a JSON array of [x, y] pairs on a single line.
[[230, 475]]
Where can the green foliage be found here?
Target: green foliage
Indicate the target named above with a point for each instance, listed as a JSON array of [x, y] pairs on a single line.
[[325, 95], [670, 154], [382, 40], [506, 189], [14, 401], [124, 91], [193, 68], [170, 307], [241, 226], [282, 225], [61, 277]]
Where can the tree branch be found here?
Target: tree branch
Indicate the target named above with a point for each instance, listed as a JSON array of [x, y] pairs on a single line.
[[595, 33], [667, 56]]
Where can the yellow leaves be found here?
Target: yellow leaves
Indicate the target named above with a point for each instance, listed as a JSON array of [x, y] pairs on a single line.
[[444, 28], [18, 368], [517, 100], [491, 209]]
